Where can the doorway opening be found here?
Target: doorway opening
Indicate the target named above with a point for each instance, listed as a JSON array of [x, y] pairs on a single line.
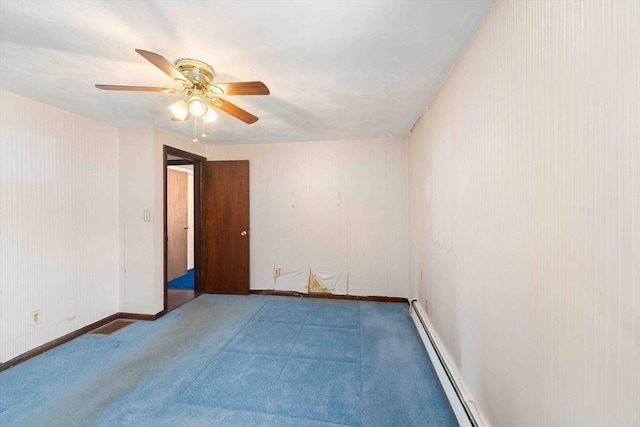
[[182, 228]]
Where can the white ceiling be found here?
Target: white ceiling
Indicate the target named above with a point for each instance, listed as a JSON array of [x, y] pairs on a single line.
[[336, 69]]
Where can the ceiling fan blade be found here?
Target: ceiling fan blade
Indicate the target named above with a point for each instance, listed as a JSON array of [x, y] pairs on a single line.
[[242, 88], [234, 110], [137, 88], [167, 67]]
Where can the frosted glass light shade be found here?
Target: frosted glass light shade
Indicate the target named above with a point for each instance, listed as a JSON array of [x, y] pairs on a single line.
[[197, 107], [179, 110], [210, 116]]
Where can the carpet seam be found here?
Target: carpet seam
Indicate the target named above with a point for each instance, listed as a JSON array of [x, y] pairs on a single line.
[[223, 350], [331, 327], [292, 347], [307, 324], [291, 357], [271, 414], [179, 396], [158, 373]]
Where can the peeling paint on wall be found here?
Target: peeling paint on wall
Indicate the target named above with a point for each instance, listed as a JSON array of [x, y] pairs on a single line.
[[349, 219], [315, 286]]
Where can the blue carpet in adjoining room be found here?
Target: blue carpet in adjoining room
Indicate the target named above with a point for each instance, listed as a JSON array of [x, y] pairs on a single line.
[[227, 360], [182, 282]]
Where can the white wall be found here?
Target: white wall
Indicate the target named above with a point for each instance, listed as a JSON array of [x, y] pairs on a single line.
[[72, 196], [337, 209], [525, 214], [137, 236], [141, 187], [58, 222]]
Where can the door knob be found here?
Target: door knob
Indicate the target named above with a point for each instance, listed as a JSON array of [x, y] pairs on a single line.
[[244, 233], [186, 227]]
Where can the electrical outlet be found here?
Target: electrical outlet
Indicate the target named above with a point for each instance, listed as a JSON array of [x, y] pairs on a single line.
[[36, 316], [276, 272]]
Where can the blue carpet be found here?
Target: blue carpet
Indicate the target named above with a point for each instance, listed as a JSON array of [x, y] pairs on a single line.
[[182, 282], [226, 360]]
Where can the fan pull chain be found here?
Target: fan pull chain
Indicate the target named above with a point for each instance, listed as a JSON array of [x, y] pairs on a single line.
[[195, 129], [204, 134]]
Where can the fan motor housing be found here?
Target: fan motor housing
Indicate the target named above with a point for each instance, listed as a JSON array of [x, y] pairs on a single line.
[[197, 72]]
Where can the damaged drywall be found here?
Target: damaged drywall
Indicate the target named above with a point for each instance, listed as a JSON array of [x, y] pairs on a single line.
[[329, 217]]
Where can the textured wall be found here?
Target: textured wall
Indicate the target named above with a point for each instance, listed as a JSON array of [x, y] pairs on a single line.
[[136, 181], [58, 222], [336, 209], [525, 214], [141, 188]]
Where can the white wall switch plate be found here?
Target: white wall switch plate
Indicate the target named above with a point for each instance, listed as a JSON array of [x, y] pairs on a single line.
[[36, 316]]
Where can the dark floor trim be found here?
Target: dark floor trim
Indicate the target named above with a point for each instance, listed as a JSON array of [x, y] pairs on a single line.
[[56, 342], [328, 296], [150, 317], [138, 316], [75, 334]]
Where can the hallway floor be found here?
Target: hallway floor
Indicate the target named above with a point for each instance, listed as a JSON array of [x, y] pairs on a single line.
[[177, 297]]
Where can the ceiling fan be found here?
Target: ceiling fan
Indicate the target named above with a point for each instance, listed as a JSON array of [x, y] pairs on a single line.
[[196, 79]]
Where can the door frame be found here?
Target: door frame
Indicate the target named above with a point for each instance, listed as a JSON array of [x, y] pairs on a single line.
[[186, 158]]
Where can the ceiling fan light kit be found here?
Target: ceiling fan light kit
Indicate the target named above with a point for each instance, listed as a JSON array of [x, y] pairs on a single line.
[[210, 116], [196, 79], [197, 107], [180, 110]]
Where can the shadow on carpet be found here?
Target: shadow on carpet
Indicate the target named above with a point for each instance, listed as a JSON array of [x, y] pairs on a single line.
[[235, 361]]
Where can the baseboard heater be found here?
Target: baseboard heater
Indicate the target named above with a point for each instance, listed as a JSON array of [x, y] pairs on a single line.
[[458, 402]]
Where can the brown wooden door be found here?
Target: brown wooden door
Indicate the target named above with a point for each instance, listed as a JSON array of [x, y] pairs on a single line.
[[225, 227], [176, 223]]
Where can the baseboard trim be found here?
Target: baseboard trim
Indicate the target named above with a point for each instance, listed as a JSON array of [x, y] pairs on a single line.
[[328, 296], [462, 404], [138, 316], [151, 317], [75, 334]]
